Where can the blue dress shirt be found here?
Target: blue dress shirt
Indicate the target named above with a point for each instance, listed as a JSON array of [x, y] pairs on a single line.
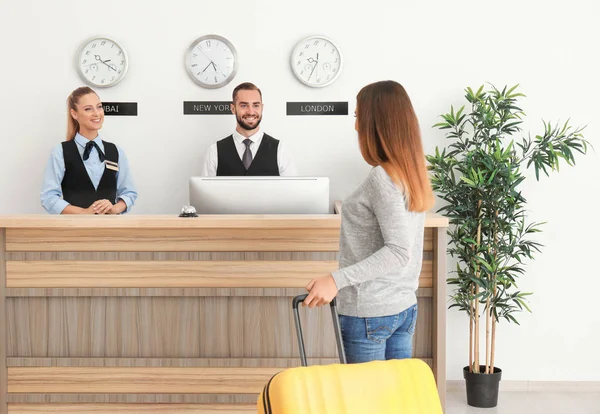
[[51, 194]]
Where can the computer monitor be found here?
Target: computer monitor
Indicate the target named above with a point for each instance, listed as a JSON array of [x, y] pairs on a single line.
[[260, 195]]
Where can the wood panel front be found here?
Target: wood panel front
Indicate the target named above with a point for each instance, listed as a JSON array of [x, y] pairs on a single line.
[[149, 274], [131, 380], [154, 397], [132, 408], [163, 327], [280, 363], [174, 274], [147, 313], [179, 240], [172, 240], [175, 327]]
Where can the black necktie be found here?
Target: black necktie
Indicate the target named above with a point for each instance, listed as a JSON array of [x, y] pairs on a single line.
[[88, 149]]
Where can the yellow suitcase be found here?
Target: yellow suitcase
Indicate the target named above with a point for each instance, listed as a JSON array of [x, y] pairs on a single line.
[[378, 387]]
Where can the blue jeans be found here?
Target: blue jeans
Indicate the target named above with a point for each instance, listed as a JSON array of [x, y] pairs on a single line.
[[379, 338]]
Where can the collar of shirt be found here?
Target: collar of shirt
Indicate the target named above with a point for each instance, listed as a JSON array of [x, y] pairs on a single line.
[[239, 138], [82, 141]]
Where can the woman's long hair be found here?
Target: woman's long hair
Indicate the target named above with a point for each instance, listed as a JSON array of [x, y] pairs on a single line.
[[72, 102], [389, 135]]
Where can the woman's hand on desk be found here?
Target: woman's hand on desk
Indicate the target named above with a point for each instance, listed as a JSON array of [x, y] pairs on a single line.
[[321, 290], [106, 207], [98, 207], [71, 209], [102, 206], [119, 207]]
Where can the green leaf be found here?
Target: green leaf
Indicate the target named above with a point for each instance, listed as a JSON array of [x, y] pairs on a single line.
[[485, 264], [511, 90], [523, 303], [479, 91], [466, 180]]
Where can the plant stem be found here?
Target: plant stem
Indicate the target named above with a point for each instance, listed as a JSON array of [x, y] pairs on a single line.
[[476, 331], [480, 211], [487, 336], [493, 351], [471, 315], [490, 351]]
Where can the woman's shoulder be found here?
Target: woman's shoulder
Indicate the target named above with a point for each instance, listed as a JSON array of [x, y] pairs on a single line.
[[381, 185], [380, 177], [110, 142], [57, 149], [379, 173]]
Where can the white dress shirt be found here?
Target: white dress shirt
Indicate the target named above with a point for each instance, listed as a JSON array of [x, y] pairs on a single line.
[[285, 161]]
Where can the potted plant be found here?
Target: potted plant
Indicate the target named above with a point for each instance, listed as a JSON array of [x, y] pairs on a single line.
[[479, 176]]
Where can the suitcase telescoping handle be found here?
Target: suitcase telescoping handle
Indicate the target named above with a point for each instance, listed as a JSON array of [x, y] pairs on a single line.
[[336, 327]]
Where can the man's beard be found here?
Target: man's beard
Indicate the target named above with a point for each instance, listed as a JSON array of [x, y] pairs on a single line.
[[244, 125]]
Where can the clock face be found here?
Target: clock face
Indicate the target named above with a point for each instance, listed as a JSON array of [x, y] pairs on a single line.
[[102, 62], [211, 61], [316, 61]]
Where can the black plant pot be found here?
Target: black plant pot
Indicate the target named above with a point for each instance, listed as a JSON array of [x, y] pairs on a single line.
[[482, 389]]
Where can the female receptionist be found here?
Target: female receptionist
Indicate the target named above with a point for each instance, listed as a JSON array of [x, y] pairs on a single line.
[[85, 174]]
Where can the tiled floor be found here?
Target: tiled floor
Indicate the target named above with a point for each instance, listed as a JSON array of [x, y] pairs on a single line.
[[529, 403]]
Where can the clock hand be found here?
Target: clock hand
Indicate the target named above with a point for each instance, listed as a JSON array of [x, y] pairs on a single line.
[[314, 67], [97, 57], [202, 51], [206, 67], [94, 63], [311, 72]]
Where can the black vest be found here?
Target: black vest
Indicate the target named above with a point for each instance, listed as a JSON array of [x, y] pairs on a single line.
[[264, 163], [77, 187]]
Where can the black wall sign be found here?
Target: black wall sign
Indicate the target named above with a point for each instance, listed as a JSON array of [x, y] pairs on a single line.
[[317, 108], [206, 108], [120, 108]]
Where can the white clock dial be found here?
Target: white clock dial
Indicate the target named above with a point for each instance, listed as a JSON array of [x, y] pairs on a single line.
[[211, 61], [102, 62], [316, 61]]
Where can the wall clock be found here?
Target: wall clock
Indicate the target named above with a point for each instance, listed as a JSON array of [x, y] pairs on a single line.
[[316, 61], [102, 61], [211, 61]]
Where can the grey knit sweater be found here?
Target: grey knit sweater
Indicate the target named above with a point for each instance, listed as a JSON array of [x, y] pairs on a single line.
[[381, 250]]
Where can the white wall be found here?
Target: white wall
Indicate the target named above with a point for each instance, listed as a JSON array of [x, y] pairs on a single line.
[[434, 48]]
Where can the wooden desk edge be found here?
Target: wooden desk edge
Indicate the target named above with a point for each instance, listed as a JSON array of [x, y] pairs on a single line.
[[238, 221]]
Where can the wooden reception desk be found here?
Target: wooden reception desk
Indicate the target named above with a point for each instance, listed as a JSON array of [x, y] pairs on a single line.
[[160, 314]]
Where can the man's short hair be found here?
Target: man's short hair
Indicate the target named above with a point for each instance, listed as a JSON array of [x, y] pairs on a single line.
[[246, 86]]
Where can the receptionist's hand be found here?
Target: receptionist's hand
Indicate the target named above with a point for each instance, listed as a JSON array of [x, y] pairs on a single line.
[[322, 290], [102, 206]]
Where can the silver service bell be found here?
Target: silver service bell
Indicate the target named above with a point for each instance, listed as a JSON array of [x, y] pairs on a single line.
[[188, 211]]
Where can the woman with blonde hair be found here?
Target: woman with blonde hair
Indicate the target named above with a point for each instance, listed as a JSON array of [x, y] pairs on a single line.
[[381, 239], [85, 174]]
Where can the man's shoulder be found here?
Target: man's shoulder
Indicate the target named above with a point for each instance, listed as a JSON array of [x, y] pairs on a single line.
[[227, 138], [269, 137]]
